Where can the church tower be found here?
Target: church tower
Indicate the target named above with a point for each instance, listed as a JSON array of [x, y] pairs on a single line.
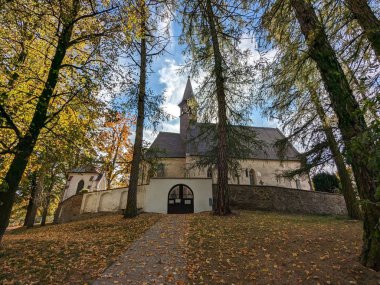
[[188, 107]]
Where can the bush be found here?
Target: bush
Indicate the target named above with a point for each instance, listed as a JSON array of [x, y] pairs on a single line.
[[326, 182], [83, 191]]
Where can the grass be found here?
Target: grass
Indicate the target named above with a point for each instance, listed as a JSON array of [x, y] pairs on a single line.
[[72, 253], [273, 248]]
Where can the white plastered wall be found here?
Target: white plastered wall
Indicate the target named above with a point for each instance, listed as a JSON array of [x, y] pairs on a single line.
[[89, 185], [109, 201], [265, 171], [156, 193]]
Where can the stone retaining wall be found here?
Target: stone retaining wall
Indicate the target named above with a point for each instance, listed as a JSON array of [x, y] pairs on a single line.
[[68, 210], [272, 198]]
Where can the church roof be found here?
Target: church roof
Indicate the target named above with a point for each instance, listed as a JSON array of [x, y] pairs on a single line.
[[172, 144], [188, 92]]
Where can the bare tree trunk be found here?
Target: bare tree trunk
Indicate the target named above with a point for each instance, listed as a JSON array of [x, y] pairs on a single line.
[[368, 21], [350, 122], [348, 191], [32, 205], [131, 209], [222, 193], [45, 211], [47, 202], [26, 144]]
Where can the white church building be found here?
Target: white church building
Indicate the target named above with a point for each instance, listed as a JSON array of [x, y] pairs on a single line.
[[177, 187]]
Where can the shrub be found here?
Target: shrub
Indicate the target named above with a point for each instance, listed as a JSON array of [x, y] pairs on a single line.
[[326, 182]]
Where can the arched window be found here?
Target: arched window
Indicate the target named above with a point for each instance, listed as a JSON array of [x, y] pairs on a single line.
[[80, 186], [252, 177], [209, 172], [246, 172], [160, 170]]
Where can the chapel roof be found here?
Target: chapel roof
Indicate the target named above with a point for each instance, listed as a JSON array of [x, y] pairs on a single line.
[[85, 169], [172, 145]]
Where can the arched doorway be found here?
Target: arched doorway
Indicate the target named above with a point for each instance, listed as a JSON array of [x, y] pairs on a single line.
[[180, 200]]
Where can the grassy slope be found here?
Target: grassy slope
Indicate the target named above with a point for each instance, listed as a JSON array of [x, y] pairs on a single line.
[[69, 253], [272, 248]]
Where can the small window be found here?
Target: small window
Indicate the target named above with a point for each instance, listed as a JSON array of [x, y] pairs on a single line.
[[91, 178], [252, 177], [246, 172], [89, 187], [209, 173], [70, 177], [160, 170]]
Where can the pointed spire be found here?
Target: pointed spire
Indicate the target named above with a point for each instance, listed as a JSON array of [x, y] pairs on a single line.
[[188, 91]]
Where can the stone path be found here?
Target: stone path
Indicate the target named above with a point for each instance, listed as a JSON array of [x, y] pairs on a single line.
[[158, 257]]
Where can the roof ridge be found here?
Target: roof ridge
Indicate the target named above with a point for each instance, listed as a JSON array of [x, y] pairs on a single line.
[[168, 133], [270, 128]]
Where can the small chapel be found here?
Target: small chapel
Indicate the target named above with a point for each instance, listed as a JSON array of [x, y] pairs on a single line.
[[177, 186]]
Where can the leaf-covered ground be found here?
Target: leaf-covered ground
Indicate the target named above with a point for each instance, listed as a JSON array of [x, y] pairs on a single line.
[[72, 253], [272, 248]]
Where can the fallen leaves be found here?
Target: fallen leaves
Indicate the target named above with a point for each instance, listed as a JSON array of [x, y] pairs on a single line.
[[68, 253], [273, 248]]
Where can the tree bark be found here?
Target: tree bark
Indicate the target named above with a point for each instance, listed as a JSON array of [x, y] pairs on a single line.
[[222, 193], [32, 205], [131, 208], [350, 122], [368, 21], [26, 144], [348, 191], [47, 202]]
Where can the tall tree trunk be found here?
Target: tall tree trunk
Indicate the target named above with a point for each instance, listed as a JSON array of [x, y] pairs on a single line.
[[368, 21], [26, 144], [47, 201], [350, 122], [131, 209], [348, 191], [32, 205], [222, 193], [45, 210]]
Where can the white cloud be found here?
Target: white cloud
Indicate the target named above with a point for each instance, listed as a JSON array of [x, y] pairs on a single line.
[[249, 43]]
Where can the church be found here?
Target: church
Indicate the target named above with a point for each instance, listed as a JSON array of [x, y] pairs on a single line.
[[178, 186]]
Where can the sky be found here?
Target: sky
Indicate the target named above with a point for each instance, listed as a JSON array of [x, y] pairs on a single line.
[[167, 78]]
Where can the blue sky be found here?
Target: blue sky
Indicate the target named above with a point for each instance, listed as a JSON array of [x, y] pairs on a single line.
[[166, 77]]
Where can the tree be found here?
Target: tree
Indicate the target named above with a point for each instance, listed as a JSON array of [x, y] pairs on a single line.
[[115, 148], [213, 31], [317, 41], [69, 34], [368, 21], [351, 124], [149, 43], [326, 182], [31, 210]]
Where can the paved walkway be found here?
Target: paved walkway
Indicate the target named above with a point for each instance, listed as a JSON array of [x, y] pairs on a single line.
[[158, 257]]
